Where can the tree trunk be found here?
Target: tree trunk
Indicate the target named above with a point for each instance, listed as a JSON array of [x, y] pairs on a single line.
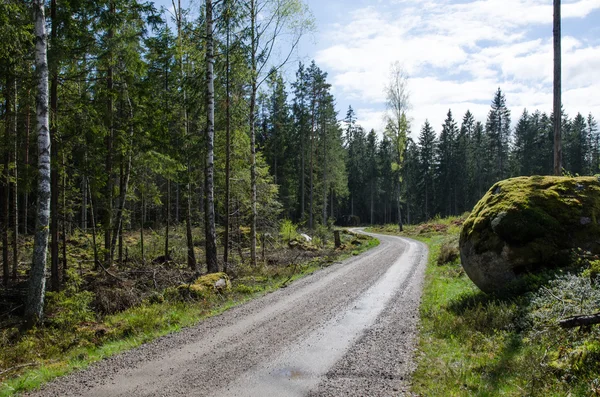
[[372, 203], [54, 238], [37, 276], [6, 187], [93, 218], [325, 176], [311, 170], [400, 225], [557, 90], [254, 77], [209, 216], [191, 255], [15, 190], [168, 221], [124, 186], [25, 203], [64, 222], [108, 204], [227, 137]]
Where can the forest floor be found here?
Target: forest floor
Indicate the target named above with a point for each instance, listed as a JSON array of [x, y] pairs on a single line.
[[473, 344], [100, 313]]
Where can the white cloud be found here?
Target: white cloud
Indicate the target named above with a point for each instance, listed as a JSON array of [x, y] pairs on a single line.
[[458, 54]]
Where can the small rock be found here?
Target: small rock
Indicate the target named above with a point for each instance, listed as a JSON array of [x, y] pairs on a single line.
[[585, 220], [306, 237], [221, 284], [579, 187]]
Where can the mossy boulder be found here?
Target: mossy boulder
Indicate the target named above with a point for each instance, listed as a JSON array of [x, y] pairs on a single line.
[[202, 288], [213, 281], [528, 224]]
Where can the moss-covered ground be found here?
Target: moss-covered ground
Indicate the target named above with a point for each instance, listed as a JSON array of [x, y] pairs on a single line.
[[473, 344]]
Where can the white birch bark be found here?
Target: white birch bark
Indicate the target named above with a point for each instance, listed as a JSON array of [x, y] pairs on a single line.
[[37, 277], [210, 230]]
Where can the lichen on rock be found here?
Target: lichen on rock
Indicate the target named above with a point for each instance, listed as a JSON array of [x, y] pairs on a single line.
[[527, 224]]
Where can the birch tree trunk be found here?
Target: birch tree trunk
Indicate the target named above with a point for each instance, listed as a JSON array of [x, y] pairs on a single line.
[[37, 277], [209, 216], [254, 77], [228, 135]]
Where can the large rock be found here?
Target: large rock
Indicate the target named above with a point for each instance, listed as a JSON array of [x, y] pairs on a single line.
[[524, 225]]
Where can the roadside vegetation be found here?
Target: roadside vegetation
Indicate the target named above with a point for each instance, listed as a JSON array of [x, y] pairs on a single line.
[[103, 312], [473, 344]]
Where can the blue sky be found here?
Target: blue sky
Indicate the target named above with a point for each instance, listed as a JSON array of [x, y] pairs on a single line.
[[457, 53]]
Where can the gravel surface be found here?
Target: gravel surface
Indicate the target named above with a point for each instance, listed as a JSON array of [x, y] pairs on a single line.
[[349, 329]]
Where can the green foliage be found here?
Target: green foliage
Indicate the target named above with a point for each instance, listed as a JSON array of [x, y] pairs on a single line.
[[67, 309], [288, 230], [477, 344]]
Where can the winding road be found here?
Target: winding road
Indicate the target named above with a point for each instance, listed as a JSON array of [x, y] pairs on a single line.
[[347, 330]]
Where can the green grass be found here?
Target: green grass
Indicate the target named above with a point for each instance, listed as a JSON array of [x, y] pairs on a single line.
[[473, 344], [72, 340]]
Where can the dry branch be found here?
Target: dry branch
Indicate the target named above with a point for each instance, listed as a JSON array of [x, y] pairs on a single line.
[[578, 321]]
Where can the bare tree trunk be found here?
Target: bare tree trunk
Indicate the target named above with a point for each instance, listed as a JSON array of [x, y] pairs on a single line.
[[142, 245], [227, 137], [37, 276], [55, 272], [108, 204], [254, 77], [372, 202], [557, 90], [26, 162], [124, 186], [325, 176], [93, 218], [6, 187], [400, 225], [84, 204], [168, 220], [64, 222], [209, 215], [303, 179], [311, 171], [191, 255], [15, 190]]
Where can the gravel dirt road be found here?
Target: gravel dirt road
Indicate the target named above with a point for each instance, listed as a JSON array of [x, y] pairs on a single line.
[[347, 330]]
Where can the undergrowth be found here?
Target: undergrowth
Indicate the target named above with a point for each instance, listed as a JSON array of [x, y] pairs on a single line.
[[76, 334], [473, 344]]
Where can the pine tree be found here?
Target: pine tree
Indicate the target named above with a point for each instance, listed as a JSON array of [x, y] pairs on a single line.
[[498, 131], [427, 167]]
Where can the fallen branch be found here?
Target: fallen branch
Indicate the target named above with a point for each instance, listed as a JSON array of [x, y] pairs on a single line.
[[578, 321], [18, 367]]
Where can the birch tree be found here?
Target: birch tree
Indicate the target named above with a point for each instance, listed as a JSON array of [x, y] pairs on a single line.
[[37, 279], [210, 230], [397, 124]]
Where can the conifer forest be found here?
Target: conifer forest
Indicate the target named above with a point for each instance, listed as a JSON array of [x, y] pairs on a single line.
[[186, 123]]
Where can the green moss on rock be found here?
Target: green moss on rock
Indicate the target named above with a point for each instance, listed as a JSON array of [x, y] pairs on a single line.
[[526, 224]]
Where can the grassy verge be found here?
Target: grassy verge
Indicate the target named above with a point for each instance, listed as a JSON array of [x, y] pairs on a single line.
[[473, 344], [74, 336]]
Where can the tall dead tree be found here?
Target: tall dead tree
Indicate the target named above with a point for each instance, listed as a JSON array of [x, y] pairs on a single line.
[[557, 91]]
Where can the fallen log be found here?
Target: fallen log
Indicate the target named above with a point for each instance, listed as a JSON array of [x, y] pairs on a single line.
[[578, 321]]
